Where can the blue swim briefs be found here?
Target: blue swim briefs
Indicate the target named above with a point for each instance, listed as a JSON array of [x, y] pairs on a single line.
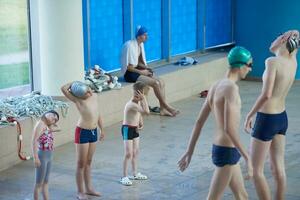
[[222, 155], [268, 125]]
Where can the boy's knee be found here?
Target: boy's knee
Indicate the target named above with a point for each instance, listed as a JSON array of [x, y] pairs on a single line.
[[89, 162], [128, 156], [258, 173], [135, 153], [45, 183], [278, 174], [81, 164], [38, 185]]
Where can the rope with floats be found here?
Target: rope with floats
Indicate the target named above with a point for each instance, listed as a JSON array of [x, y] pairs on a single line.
[[32, 105]]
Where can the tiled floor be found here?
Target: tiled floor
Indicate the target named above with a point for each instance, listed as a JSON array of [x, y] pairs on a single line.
[[163, 140]]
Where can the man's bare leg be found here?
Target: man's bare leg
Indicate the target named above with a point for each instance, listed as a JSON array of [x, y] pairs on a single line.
[[127, 156], [163, 111], [135, 153], [237, 183], [146, 90], [219, 182], [162, 89], [155, 84], [277, 151], [259, 151], [87, 171], [82, 153]]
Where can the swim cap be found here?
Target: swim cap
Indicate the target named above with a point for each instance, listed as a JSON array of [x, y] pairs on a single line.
[[53, 112], [140, 30], [238, 56], [78, 89], [292, 43]]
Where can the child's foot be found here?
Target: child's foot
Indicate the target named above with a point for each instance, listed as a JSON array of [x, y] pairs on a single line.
[[138, 176], [125, 181], [81, 196], [93, 193]]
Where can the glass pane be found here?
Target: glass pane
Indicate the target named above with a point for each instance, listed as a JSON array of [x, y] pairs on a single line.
[[218, 22], [148, 14], [183, 26], [14, 56], [106, 33]]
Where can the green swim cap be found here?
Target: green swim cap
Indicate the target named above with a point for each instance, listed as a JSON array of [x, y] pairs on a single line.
[[238, 56]]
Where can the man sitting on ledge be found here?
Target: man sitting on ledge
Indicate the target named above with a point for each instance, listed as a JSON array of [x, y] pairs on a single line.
[[134, 68]]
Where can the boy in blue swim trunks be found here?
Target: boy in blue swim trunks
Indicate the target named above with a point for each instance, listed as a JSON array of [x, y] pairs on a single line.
[[224, 102], [132, 122], [268, 135], [86, 134]]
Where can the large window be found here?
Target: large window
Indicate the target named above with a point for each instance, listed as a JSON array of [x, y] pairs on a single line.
[[175, 27], [148, 14], [14, 53], [218, 15], [183, 26], [104, 33]]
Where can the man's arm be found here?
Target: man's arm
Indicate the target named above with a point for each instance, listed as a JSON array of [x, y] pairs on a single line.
[[202, 117], [141, 62], [34, 143], [144, 72], [231, 127], [231, 105], [100, 125], [66, 91], [185, 160]]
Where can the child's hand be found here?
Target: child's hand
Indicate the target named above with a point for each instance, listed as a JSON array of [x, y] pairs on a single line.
[[141, 126], [37, 162], [184, 161], [248, 124], [101, 138], [141, 123], [140, 95], [249, 174], [54, 128]]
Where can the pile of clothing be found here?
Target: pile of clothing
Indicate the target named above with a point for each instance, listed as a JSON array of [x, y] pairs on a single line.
[[186, 61], [99, 80]]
